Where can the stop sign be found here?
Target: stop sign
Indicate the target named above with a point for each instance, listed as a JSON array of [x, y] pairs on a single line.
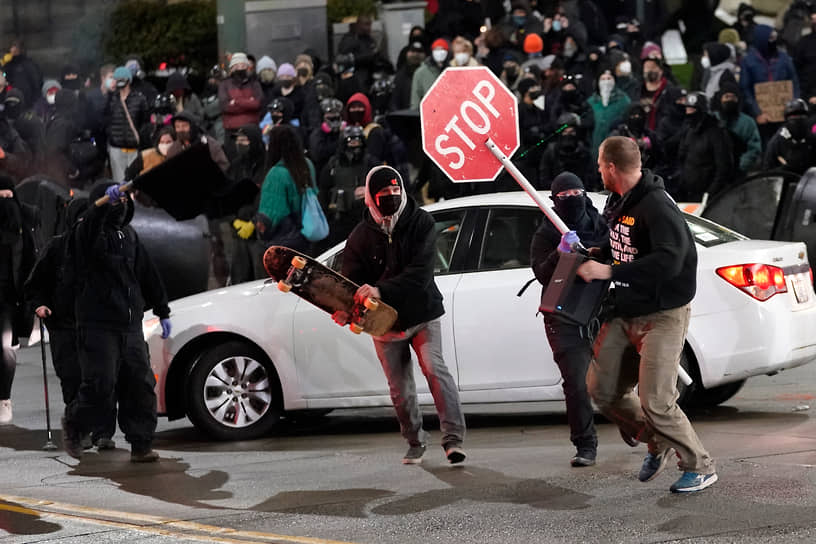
[[462, 110]]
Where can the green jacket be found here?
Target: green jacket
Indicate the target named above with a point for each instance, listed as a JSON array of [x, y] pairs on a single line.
[[606, 117], [423, 78], [280, 196], [745, 128]]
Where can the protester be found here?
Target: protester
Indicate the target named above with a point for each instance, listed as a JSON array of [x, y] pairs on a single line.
[[323, 140], [267, 73], [127, 112], [154, 156], [414, 56], [793, 147], [608, 105], [717, 61], [742, 129], [240, 98], [288, 88], [186, 99], [213, 123], [61, 131], [23, 73], [390, 254], [26, 123], [653, 92], [359, 43], [44, 106], [429, 70], [655, 275], [15, 157], [566, 153], [571, 344], [138, 81], [462, 52]]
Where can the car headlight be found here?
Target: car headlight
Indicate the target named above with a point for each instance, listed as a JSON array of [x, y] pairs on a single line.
[[150, 326]]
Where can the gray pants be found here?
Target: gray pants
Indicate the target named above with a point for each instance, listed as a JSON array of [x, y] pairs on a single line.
[[120, 159], [653, 414], [394, 353]]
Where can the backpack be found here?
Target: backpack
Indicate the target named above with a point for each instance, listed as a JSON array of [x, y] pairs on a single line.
[[314, 226]]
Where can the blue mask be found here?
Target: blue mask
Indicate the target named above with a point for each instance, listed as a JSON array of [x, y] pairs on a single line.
[[556, 26], [519, 20]]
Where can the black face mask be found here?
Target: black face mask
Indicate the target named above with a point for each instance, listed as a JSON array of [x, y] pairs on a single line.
[[568, 142], [354, 154], [679, 109], [730, 109], [13, 110], [239, 75], [356, 117], [388, 205], [798, 127], [72, 84], [652, 77], [569, 97], [771, 48], [242, 149], [696, 118], [303, 72], [570, 209], [512, 73], [117, 215], [636, 124], [277, 119]]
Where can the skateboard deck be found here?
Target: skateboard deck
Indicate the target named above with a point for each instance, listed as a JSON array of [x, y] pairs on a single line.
[[326, 289]]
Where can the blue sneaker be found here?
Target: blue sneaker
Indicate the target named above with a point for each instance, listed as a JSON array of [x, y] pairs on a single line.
[[693, 481], [654, 465]]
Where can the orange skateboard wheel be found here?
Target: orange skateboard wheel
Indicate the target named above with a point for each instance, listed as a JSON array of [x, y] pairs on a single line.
[[298, 262], [284, 286], [371, 304], [355, 328]]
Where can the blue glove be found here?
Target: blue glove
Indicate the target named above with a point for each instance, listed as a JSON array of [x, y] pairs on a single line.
[[568, 239], [114, 194], [166, 327]]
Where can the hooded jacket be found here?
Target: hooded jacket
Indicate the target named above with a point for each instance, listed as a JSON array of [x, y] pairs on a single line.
[[376, 139], [19, 244], [654, 257], [189, 101], [424, 77], [216, 150], [115, 278], [401, 265], [760, 66]]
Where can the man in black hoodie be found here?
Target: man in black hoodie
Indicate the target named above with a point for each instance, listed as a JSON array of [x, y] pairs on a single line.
[[115, 280], [391, 254], [654, 271], [571, 344]]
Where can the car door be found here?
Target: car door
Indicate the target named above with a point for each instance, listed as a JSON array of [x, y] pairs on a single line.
[[500, 342], [333, 362]]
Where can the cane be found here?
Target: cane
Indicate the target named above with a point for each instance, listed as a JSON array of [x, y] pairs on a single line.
[[49, 445]]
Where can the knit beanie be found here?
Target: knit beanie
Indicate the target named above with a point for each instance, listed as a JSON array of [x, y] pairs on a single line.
[[566, 181], [533, 43]]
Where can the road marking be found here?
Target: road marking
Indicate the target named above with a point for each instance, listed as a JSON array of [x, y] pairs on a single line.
[[152, 524]]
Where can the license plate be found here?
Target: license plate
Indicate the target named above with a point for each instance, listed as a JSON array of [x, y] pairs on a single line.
[[800, 289]]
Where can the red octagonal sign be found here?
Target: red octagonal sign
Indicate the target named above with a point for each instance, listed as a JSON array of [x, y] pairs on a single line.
[[462, 110]]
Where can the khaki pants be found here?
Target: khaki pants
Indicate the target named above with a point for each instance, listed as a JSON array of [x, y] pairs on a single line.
[[645, 351]]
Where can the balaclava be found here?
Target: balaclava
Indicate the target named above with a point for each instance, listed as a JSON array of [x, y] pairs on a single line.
[[573, 208], [385, 196]]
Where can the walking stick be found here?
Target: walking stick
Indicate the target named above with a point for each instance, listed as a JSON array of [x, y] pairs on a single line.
[[49, 445]]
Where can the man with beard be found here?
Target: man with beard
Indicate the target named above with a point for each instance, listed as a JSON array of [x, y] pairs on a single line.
[[706, 153], [17, 253], [324, 139], [793, 147], [571, 344], [390, 253], [567, 153], [342, 185], [115, 281], [743, 129]]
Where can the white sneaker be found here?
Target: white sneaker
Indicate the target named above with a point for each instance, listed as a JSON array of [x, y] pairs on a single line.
[[5, 412]]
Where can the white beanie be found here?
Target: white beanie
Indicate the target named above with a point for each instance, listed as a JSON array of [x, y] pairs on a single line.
[[266, 63], [238, 58]]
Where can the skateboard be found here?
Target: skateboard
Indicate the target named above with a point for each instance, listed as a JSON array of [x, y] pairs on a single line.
[[326, 289]]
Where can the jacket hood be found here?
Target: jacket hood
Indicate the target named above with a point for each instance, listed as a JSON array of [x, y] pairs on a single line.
[[253, 133], [378, 172], [761, 35], [177, 81], [363, 99], [98, 191]]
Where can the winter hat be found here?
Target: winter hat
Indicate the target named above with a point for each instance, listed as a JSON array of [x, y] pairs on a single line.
[[134, 66], [717, 52], [651, 49], [286, 70], [729, 87], [440, 43], [417, 46], [525, 85], [122, 74], [566, 181], [728, 35], [266, 63], [238, 58], [533, 43], [14, 96], [698, 101], [377, 179], [51, 84]]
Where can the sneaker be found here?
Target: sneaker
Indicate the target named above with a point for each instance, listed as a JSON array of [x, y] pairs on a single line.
[[104, 444], [654, 465], [454, 453], [414, 455], [693, 481], [631, 441], [583, 458], [5, 412], [148, 456], [71, 440], [86, 442]]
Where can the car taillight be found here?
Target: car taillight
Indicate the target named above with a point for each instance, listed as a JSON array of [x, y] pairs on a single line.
[[761, 281]]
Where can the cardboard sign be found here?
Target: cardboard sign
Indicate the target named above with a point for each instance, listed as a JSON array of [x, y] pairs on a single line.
[[772, 96]]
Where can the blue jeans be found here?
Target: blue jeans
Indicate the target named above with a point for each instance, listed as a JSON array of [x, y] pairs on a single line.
[[394, 353]]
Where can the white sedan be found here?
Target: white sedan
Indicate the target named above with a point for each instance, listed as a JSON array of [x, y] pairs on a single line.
[[242, 357]]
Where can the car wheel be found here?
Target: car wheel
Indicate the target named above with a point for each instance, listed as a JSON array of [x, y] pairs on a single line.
[[708, 398], [233, 393]]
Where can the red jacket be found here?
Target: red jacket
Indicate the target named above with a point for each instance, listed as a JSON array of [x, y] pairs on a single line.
[[240, 103]]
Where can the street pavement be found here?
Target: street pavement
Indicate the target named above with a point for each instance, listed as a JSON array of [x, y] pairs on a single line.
[[339, 479]]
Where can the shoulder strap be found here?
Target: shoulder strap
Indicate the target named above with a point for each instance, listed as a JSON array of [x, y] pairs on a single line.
[[129, 118]]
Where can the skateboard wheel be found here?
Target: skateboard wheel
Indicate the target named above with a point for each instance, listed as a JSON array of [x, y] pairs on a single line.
[[371, 304], [355, 328], [298, 262], [285, 287]]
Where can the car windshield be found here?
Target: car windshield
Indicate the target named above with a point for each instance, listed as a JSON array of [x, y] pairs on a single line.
[[709, 234]]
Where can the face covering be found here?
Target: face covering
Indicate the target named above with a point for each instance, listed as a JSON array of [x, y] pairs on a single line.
[[798, 127], [556, 26], [696, 118], [461, 58], [13, 109], [511, 72], [730, 108], [277, 118], [519, 21], [625, 68], [116, 216], [571, 209], [356, 117], [605, 87], [241, 149], [771, 48], [164, 148], [240, 75], [636, 124], [51, 98], [570, 49], [183, 135], [388, 205], [267, 76], [439, 55], [414, 59], [705, 62], [71, 84], [569, 96], [109, 82], [287, 83], [568, 142], [652, 77], [539, 102], [303, 72]]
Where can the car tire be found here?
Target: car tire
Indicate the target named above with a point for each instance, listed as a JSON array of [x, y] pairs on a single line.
[[708, 398], [234, 393]]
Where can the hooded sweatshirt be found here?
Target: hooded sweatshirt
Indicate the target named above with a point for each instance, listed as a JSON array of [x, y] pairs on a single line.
[[761, 64]]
